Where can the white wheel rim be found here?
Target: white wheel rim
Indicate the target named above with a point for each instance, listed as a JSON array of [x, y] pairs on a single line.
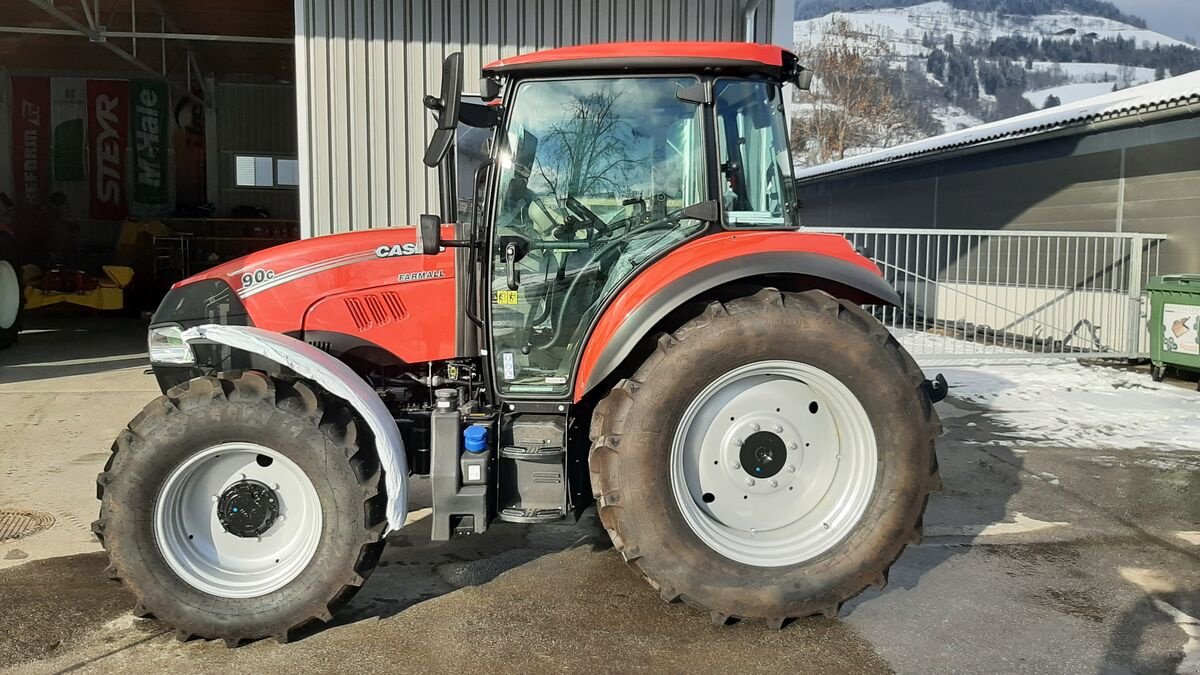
[[799, 508], [196, 545], [10, 295]]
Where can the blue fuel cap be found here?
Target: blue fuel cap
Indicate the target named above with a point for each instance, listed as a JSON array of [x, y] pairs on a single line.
[[475, 438]]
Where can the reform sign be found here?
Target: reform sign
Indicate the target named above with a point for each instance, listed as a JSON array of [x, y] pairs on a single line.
[[31, 138]]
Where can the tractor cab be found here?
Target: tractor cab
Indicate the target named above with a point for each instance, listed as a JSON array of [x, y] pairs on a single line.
[[602, 159]]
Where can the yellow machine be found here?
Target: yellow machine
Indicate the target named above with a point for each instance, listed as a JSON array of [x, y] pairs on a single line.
[[109, 293]]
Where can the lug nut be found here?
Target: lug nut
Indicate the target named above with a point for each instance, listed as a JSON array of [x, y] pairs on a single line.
[[774, 483], [750, 482], [779, 428], [790, 468], [735, 466], [215, 498], [793, 445], [755, 426], [737, 441]]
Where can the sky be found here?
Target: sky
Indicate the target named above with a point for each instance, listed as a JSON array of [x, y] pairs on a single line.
[[1177, 18]]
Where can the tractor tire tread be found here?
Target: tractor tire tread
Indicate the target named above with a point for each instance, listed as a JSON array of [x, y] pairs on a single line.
[[608, 426], [336, 423]]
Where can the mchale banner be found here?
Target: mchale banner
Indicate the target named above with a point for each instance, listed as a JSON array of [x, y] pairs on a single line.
[[31, 138], [108, 133], [150, 103]]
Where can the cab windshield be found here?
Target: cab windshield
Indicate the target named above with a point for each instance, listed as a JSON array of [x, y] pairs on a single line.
[[594, 175]]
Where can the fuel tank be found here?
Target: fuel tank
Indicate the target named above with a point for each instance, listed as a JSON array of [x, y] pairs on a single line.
[[360, 291]]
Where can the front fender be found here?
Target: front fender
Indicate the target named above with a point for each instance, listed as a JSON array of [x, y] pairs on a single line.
[[339, 380]]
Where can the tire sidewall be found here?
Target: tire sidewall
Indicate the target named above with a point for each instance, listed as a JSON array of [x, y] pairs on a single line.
[[132, 494], [674, 556], [8, 335]]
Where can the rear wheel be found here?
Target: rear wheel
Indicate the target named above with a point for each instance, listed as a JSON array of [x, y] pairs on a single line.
[[12, 299], [241, 507], [771, 459]]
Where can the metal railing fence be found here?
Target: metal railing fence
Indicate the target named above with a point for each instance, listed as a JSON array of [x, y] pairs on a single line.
[[982, 295]]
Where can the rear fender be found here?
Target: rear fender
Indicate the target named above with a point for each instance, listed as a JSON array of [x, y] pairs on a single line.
[[635, 312], [339, 380]]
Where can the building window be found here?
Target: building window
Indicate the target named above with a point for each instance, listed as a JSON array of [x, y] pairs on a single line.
[[287, 172], [259, 171]]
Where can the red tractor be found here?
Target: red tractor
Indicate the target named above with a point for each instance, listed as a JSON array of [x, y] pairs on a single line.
[[624, 314]]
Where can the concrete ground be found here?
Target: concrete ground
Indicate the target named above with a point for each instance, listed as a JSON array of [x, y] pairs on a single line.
[[1041, 559]]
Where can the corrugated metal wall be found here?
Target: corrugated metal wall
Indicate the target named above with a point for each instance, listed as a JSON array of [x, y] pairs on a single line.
[[363, 67]]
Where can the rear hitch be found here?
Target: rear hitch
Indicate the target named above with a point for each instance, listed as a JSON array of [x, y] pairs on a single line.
[[937, 388]]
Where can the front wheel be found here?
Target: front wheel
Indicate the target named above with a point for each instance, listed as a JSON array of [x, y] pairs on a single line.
[[241, 507], [771, 459]]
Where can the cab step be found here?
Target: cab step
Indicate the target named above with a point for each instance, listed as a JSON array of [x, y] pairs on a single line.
[[532, 470]]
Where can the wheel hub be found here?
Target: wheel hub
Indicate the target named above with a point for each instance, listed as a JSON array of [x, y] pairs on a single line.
[[248, 508], [763, 454]]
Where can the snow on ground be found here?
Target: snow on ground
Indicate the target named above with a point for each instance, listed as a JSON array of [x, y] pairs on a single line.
[[1070, 405], [1068, 93], [1098, 72], [1061, 403], [954, 118]]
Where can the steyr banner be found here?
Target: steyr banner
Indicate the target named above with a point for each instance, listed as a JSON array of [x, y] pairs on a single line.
[[149, 129], [108, 133], [31, 138]]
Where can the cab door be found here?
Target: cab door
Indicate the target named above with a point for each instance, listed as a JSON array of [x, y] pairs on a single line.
[[593, 177]]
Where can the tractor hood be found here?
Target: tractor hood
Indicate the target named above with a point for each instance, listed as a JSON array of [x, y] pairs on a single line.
[[358, 288]]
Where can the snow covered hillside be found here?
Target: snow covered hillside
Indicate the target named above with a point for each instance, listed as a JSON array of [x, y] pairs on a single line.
[[995, 40], [909, 24]]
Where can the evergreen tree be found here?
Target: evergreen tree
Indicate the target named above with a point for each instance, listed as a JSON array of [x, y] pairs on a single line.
[[1052, 101]]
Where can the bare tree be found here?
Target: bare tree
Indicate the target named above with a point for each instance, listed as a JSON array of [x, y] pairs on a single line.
[[852, 103], [589, 151]]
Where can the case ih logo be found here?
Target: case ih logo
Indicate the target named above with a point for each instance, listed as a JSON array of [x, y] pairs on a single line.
[[396, 250]]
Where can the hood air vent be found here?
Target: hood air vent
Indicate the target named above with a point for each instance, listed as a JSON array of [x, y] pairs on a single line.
[[372, 310]]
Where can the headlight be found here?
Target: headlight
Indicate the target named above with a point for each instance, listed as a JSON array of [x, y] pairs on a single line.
[[166, 345]]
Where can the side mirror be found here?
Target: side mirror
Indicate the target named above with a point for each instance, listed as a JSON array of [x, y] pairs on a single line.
[[429, 235], [446, 107], [804, 80], [452, 75], [489, 88]]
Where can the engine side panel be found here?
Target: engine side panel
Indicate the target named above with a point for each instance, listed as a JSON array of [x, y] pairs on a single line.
[[371, 286], [709, 262], [408, 320]]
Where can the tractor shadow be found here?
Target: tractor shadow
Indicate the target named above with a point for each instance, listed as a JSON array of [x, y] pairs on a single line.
[[980, 475], [414, 569]]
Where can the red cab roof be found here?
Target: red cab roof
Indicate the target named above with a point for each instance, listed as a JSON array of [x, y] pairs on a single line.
[[685, 56]]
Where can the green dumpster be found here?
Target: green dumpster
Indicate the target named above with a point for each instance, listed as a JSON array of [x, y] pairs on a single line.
[[1174, 323]]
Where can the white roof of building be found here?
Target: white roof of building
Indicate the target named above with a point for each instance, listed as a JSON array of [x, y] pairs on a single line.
[[1132, 104]]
